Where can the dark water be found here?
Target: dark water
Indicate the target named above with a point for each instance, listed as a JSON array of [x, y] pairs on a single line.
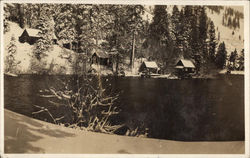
[[195, 109]]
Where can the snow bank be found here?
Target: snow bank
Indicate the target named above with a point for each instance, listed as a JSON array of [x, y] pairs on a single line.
[[28, 135]]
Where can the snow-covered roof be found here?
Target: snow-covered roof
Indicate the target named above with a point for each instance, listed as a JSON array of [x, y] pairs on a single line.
[[187, 63], [35, 32], [113, 53], [150, 64], [101, 54]]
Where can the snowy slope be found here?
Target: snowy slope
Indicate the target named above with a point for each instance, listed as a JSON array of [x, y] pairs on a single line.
[[58, 56], [231, 41]]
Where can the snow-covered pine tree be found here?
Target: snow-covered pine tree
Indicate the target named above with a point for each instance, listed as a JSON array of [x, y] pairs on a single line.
[[31, 16], [221, 56], [65, 24], [6, 15], [119, 25], [20, 8], [90, 26], [194, 38], [186, 26], [212, 41], [160, 39], [45, 43], [176, 31], [203, 31], [241, 60], [10, 60], [232, 59]]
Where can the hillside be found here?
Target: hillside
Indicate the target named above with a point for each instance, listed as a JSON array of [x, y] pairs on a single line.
[[61, 60], [58, 56], [231, 41]]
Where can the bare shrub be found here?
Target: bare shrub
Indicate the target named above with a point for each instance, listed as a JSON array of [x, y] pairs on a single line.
[[88, 105]]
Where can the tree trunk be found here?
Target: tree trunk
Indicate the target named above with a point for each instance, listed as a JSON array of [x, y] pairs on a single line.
[[133, 52]]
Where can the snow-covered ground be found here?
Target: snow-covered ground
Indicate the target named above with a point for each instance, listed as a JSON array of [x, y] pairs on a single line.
[[27, 135], [58, 56], [231, 41]]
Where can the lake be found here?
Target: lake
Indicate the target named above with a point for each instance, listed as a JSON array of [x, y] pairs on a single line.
[[187, 110]]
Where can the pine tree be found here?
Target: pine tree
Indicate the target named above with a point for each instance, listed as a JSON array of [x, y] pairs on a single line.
[[161, 38], [94, 26], [20, 8], [123, 27], [176, 31], [160, 23], [194, 39], [65, 24], [186, 33], [241, 60], [5, 21], [10, 62], [234, 23], [232, 58], [221, 56], [45, 43], [229, 23], [212, 41], [238, 22], [32, 14], [203, 31]]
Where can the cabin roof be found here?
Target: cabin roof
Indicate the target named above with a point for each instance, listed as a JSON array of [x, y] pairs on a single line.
[[101, 54], [35, 33], [186, 63], [150, 64]]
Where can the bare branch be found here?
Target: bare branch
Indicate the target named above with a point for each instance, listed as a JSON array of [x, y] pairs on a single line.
[[48, 96], [38, 112]]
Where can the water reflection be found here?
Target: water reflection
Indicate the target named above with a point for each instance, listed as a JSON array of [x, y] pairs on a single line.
[[194, 109]]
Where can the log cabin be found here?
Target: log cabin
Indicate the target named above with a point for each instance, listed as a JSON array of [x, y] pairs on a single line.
[[184, 68], [100, 57], [149, 66], [32, 35]]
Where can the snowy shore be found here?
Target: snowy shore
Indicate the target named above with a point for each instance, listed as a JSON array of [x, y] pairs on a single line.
[[27, 135]]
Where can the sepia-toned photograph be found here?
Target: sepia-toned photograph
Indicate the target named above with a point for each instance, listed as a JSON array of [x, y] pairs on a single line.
[[82, 78]]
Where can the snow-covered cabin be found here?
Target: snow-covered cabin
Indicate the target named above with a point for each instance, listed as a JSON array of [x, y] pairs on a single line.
[[150, 66], [100, 57], [185, 65], [32, 35]]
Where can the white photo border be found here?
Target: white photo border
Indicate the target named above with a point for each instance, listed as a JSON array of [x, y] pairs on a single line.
[[244, 3]]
